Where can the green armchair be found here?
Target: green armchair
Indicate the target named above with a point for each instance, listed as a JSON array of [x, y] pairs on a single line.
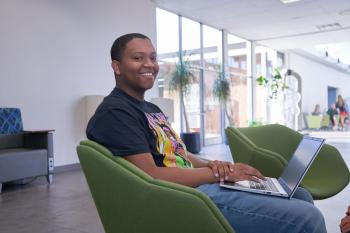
[[129, 200], [269, 148], [314, 121]]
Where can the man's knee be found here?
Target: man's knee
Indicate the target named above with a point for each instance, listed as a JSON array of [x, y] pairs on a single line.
[[314, 221]]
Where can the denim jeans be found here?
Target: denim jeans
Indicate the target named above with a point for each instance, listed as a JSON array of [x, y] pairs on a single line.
[[248, 212]]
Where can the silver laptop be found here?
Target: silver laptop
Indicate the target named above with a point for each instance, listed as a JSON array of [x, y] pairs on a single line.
[[292, 175]]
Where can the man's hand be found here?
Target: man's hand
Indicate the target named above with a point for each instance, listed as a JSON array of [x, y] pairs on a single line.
[[234, 172], [245, 172], [221, 169]]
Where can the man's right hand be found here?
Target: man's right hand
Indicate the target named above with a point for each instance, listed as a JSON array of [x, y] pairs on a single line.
[[244, 172]]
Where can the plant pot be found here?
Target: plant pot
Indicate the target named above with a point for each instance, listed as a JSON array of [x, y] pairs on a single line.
[[192, 141], [225, 139]]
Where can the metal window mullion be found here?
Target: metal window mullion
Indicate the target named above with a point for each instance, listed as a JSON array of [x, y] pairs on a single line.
[[224, 69], [202, 87], [253, 81], [180, 60]]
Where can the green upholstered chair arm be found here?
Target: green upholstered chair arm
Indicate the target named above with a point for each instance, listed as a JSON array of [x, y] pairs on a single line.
[[273, 137], [328, 175], [97, 147], [269, 163], [240, 145], [129, 200]]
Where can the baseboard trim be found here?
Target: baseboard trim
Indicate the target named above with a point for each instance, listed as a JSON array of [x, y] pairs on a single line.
[[67, 168]]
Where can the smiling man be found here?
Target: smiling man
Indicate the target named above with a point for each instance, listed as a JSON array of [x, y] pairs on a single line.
[[138, 131], [137, 70]]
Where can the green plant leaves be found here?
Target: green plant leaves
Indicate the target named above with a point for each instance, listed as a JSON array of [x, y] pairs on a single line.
[[182, 77], [221, 89], [275, 84], [261, 80]]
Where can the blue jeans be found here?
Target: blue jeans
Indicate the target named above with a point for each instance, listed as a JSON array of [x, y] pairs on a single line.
[[248, 212]]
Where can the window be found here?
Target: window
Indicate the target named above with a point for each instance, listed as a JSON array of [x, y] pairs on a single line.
[[238, 107], [167, 49], [203, 109]]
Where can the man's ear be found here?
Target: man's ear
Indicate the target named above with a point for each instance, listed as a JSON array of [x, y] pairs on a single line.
[[115, 66]]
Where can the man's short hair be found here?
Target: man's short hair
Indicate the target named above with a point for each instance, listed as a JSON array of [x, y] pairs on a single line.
[[120, 43]]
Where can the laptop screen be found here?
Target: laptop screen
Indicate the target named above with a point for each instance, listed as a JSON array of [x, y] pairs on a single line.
[[300, 162]]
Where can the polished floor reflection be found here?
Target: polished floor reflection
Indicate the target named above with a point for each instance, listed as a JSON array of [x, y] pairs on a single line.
[[66, 205]]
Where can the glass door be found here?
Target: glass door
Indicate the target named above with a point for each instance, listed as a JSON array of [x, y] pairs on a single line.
[[212, 54]]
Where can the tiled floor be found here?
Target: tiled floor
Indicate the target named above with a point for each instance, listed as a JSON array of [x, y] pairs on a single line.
[[66, 205], [63, 207]]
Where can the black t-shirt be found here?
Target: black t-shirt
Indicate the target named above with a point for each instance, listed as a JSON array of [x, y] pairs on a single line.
[[127, 126], [340, 107]]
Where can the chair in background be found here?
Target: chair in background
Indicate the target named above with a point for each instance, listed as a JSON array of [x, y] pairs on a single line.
[[326, 122], [23, 154], [129, 200], [269, 148], [314, 121]]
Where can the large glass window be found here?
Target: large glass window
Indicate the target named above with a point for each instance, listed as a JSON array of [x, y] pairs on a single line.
[[237, 110], [167, 49], [203, 109], [191, 54], [261, 94], [268, 109], [212, 53], [191, 42]]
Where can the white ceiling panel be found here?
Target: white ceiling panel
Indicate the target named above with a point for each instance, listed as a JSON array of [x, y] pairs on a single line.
[[269, 15], [270, 22]]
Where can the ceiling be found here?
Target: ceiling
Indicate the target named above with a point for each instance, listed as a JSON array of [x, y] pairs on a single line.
[[299, 26]]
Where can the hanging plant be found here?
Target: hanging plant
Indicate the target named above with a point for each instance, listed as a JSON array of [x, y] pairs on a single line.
[[275, 84]]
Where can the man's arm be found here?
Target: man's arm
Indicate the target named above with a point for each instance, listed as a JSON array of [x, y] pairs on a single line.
[[220, 169], [192, 177], [185, 176], [196, 161]]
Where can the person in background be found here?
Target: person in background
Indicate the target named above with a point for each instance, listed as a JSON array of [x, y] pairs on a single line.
[[345, 222], [317, 110], [138, 131], [333, 113], [343, 110]]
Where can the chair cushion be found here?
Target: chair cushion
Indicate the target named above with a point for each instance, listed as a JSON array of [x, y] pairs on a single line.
[[10, 121], [21, 163], [20, 151]]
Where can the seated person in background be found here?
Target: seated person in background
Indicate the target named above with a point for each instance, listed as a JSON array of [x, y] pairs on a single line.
[[343, 110], [333, 112], [317, 110], [133, 128], [345, 222]]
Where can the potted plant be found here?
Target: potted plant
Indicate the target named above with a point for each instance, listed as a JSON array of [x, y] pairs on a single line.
[[180, 80], [255, 123], [275, 87], [275, 84]]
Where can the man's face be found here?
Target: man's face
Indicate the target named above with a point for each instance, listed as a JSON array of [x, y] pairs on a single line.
[[138, 67]]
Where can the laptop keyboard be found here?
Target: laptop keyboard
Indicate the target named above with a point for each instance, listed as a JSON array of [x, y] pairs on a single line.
[[263, 185]]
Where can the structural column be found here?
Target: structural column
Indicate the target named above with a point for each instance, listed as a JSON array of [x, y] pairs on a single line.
[[253, 76]]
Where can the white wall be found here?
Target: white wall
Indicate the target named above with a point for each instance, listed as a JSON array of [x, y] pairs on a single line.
[[55, 52], [316, 79]]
